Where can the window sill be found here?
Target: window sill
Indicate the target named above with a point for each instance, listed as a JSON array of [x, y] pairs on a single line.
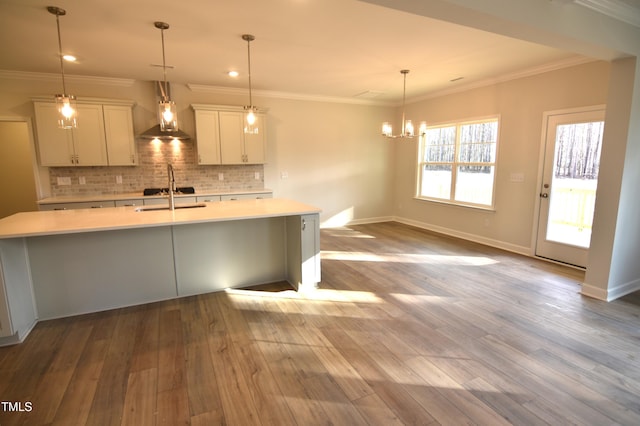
[[453, 204]]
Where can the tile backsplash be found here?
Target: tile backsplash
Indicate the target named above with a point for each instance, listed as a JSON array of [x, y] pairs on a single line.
[[151, 172]]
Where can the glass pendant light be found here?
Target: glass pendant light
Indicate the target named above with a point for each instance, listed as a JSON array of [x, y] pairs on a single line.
[[250, 117], [167, 112], [407, 125], [65, 103]]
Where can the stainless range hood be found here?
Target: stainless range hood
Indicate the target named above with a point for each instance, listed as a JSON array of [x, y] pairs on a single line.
[[156, 132]]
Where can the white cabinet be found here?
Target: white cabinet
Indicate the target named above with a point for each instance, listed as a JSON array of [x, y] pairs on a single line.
[[118, 127], [17, 308], [237, 147], [256, 196], [130, 202], [208, 137], [303, 242], [82, 146], [165, 200], [104, 136], [220, 137], [207, 198], [78, 205]]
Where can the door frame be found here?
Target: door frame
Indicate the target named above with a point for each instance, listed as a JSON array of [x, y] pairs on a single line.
[[41, 174], [540, 177]]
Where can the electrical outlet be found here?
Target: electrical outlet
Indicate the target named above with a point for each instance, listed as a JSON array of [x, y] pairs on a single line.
[[256, 175], [119, 179], [220, 176], [64, 181], [82, 180]]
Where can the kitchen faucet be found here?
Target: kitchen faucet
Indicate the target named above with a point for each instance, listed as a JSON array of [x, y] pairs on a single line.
[[172, 186]]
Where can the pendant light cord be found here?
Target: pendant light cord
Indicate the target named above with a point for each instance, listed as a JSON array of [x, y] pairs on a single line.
[[164, 68], [249, 38], [64, 86], [249, 62], [404, 95]]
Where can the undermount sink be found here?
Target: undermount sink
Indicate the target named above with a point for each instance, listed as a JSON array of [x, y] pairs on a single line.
[[177, 207]]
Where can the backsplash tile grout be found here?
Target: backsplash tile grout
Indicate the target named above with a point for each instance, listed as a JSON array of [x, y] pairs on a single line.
[[151, 172]]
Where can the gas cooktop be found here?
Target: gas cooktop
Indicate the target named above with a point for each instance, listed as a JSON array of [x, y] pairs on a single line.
[[163, 191]]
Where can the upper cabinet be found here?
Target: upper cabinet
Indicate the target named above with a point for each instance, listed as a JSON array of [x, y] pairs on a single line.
[[208, 137], [118, 128], [104, 136], [220, 136]]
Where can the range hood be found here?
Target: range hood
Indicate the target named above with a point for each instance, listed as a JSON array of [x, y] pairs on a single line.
[[155, 132]]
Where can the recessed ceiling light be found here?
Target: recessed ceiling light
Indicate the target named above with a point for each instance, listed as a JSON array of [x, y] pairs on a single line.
[[233, 73], [69, 58]]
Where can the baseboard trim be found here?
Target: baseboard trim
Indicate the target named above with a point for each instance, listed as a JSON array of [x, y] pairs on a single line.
[[514, 248], [610, 294]]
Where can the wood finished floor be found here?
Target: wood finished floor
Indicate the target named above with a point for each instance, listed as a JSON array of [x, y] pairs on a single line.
[[408, 327]]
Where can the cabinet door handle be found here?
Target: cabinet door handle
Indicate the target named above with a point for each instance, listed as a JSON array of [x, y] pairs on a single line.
[[304, 224]]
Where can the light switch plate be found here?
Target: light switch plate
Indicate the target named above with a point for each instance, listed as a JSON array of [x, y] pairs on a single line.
[[64, 181]]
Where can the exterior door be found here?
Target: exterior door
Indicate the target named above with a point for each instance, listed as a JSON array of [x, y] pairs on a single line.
[[568, 190]]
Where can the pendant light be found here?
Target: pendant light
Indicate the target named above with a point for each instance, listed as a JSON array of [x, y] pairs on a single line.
[[167, 112], [65, 103], [250, 118], [407, 125]]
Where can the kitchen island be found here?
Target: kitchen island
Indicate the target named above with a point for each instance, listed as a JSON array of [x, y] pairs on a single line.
[[62, 263]]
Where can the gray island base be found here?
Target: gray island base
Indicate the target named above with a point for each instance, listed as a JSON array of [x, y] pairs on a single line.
[[89, 261]]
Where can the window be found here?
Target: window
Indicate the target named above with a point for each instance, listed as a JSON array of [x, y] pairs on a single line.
[[457, 163]]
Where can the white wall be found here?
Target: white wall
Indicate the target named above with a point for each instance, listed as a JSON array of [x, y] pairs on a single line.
[[520, 105]]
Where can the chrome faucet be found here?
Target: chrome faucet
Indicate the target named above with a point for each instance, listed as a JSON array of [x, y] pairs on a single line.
[[172, 186]]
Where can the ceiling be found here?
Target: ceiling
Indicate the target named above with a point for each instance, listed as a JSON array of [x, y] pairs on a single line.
[[330, 48]]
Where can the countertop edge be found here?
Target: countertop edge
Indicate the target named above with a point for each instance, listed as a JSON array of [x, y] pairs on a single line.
[[48, 223]]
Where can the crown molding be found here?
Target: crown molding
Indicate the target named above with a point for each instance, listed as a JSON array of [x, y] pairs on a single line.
[[49, 77], [553, 66], [615, 9]]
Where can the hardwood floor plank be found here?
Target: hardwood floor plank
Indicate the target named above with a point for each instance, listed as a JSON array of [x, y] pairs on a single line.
[[52, 388], [202, 386], [262, 385], [108, 402], [145, 352], [173, 399], [173, 407], [141, 398], [407, 327], [77, 401]]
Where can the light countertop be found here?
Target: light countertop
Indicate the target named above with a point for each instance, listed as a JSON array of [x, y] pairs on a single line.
[[32, 224], [140, 196]]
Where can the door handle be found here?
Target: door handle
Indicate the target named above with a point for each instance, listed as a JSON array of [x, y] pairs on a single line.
[[544, 195]]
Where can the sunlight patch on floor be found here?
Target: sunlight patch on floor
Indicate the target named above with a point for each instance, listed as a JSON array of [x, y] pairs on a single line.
[[418, 299], [324, 295], [439, 259]]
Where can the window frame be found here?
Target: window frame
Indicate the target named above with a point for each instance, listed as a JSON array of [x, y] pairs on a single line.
[[456, 163]]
